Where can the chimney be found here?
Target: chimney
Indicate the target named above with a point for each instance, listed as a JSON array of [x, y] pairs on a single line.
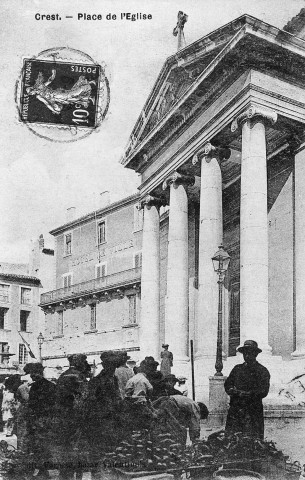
[[70, 214], [41, 242], [104, 199]]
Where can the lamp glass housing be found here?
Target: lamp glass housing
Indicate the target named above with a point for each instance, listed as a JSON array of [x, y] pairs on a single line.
[[221, 260]]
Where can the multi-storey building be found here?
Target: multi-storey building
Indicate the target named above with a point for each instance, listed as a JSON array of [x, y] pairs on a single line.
[[96, 302], [21, 319], [19, 316]]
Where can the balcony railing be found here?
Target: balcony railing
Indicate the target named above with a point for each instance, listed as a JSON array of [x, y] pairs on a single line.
[[126, 277]]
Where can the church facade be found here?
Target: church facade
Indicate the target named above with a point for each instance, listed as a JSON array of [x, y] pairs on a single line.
[[220, 142], [219, 146]]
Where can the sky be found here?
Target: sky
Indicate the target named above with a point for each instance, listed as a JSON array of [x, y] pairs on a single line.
[[41, 179]]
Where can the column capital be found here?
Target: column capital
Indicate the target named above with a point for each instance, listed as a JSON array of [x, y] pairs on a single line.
[[254, 111], [151, 201], [176, 179], [208, 151], [296, 143]]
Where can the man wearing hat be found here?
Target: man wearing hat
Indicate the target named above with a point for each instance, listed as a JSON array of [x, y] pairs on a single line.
[[154, 376], [169, 383], [41, 405], [167, 360], [105, 410], [71, 394], [247, 384]]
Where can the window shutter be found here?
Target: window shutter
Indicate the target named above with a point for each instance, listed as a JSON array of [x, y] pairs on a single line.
[[100, 270], [138, 260], [93, 317], [132, 309], [67, 281]]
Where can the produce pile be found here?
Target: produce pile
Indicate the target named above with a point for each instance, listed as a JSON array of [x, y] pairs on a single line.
[[227, 448], [12, 461], [146, 451], [150, 451]]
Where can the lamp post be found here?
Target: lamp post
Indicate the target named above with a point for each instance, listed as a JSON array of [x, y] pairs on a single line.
[[40, 340], [221, 262]]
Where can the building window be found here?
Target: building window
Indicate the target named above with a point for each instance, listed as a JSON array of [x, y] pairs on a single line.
[[3, 313], [100, 270], [137, 260], [4, 293], [23, 354], [93, 317], [24, 324], [60, 323], [3, 348], [68, 244], [101, 232], [26, 296], [132, 308], [67, 280], [138, 218]]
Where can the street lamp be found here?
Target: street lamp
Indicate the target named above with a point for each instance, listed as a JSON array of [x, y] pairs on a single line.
[[221, 262], [40, 340]]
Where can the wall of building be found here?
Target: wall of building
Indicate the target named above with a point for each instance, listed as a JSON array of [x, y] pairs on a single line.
[[193, 232], [121, 242], [114, 327], [281, 258], [112, 330], [163, 273], [12, 307]]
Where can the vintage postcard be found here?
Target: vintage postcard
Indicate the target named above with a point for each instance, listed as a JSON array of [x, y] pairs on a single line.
[[152, 267]]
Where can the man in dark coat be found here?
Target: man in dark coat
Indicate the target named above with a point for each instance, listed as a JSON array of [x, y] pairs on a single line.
[[247, 385], [154, 376], [41, 405], [104, 411], [71, 398]]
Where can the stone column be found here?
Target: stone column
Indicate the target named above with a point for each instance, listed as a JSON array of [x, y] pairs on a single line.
[[299, 197], [150, 282], [254, 226], [210, 237], [176, 303]]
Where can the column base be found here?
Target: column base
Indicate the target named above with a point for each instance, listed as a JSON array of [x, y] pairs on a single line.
[[182, 367], [266, 350], [218, 401], [204, 368], [298, 354]]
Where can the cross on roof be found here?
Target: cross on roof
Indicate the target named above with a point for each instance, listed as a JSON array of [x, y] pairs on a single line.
[[178, 30]]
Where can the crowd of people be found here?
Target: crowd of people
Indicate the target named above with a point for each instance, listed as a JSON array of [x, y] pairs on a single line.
[[72, 424]]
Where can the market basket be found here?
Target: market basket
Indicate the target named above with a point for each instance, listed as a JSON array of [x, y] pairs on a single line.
[[237, 474]]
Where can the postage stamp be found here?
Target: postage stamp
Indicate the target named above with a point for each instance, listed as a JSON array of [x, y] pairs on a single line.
[[59, 93], [62, 94]]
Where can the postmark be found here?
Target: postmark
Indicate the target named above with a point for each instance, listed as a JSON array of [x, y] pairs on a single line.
[[62, 94]]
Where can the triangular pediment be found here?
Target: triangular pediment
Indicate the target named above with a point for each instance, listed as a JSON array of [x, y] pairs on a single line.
[[179, 79], [196, 74], [178, 74]]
